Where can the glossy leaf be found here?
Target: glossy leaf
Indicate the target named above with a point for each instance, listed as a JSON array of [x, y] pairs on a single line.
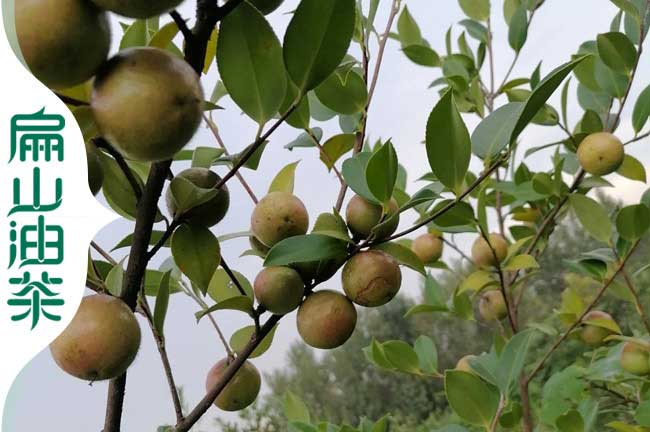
[[518, 31], [162, 303], [616, 51], [249, 57], [632, 168], [492, 135], [335, 147], [221, 287], [242, 337], [592, 216], [197, 254], [474, 400], [343, 93], [405, 256], [354, 174], [284, 180], [381, 172], [408, 30], [641, 110], [305, 248], [633, 221], [476, 9]]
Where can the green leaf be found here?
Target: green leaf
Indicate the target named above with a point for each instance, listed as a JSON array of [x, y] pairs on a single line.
[[211, 51], [402, 356], [115, 280], [197, 254], [476, 9], [616, 51], [295, 409], [335, 147], [633, 221], [239, 303], [448, 143], [187, 195], [242, 337], [492, 135], [284, 180], [344, 93], [405, 256], [570, 421], [333, 225], [221, 287], [521, 262], [162, 302], [422, 55], [612, 82], [592, 216], [541, 94], [474, 400], [628, 7], [408, 30], [128, 240], [163, 37], [305, 248], [475, 29], [249, 57], [642, 413], [381, 172], [633, 169], [116, 188], [135, 35], [641, 110], [427, 353], [354, 174], [153, 281], [317, 39], [518, 31], [300, 117], [204, 157], [512, 360]]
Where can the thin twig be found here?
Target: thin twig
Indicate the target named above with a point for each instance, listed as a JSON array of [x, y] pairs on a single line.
[[103, 253], [166, 235], [181, 23], [458, 250], [327, 158], [215, 132], [637, 138], [232, 277]]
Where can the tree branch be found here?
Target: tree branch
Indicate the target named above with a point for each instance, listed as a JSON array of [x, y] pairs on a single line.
[[105, 145]]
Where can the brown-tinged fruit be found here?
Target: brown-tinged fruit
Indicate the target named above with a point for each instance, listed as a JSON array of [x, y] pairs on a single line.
[[279, 215], [135, 116], [241, 390], [362, 216], [484, 255], [209, 213], [371, 278], [63, 42], [326, 319], [138, 8], [601, 153], [279, 289], [635, 359], [594, 335], [428, 247], [101, 342], [492, 306]]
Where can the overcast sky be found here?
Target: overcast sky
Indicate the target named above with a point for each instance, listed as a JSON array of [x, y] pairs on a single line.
[[44, 397]]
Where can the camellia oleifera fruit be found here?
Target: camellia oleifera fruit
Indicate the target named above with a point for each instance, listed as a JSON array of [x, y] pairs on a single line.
[[241, 390], [635, 359], [138, 8], [371, 278], [63, 42], [279, 289], [492, 306], [134, 115], [95, 170], [362, 216], [601, 153], [101, 342], [210, 212], [484, 255], [463, 363], [277, 216], [428, 247], [326, 319], [594, 335]]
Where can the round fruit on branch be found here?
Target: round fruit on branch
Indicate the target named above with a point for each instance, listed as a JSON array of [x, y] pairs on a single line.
[[489, 254], [601, 153], [241, 390], [362, 216], [326, 319], [209, 213], [371, 278], [101, 342], [277, 216], [279, 289], [147, 103], [635, 359], [428, 247], [63, 42], [594, 335], [492, 306], [138, 8]]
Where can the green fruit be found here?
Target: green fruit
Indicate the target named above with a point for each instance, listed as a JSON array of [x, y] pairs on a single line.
[[428, 247], [279, 289], [63, 42], [266, 6], [133, 113], [95, 171], [101, 342], [209, 213], [594, 335], [371, 278], [277, 216], [635, 359], [463, 363], [241, 390], [138, 8], [362, 216], [601, 153], [483, 255], [492, 306], [326, 319]]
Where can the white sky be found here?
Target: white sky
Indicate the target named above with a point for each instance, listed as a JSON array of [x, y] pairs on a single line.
[[45, 397]]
